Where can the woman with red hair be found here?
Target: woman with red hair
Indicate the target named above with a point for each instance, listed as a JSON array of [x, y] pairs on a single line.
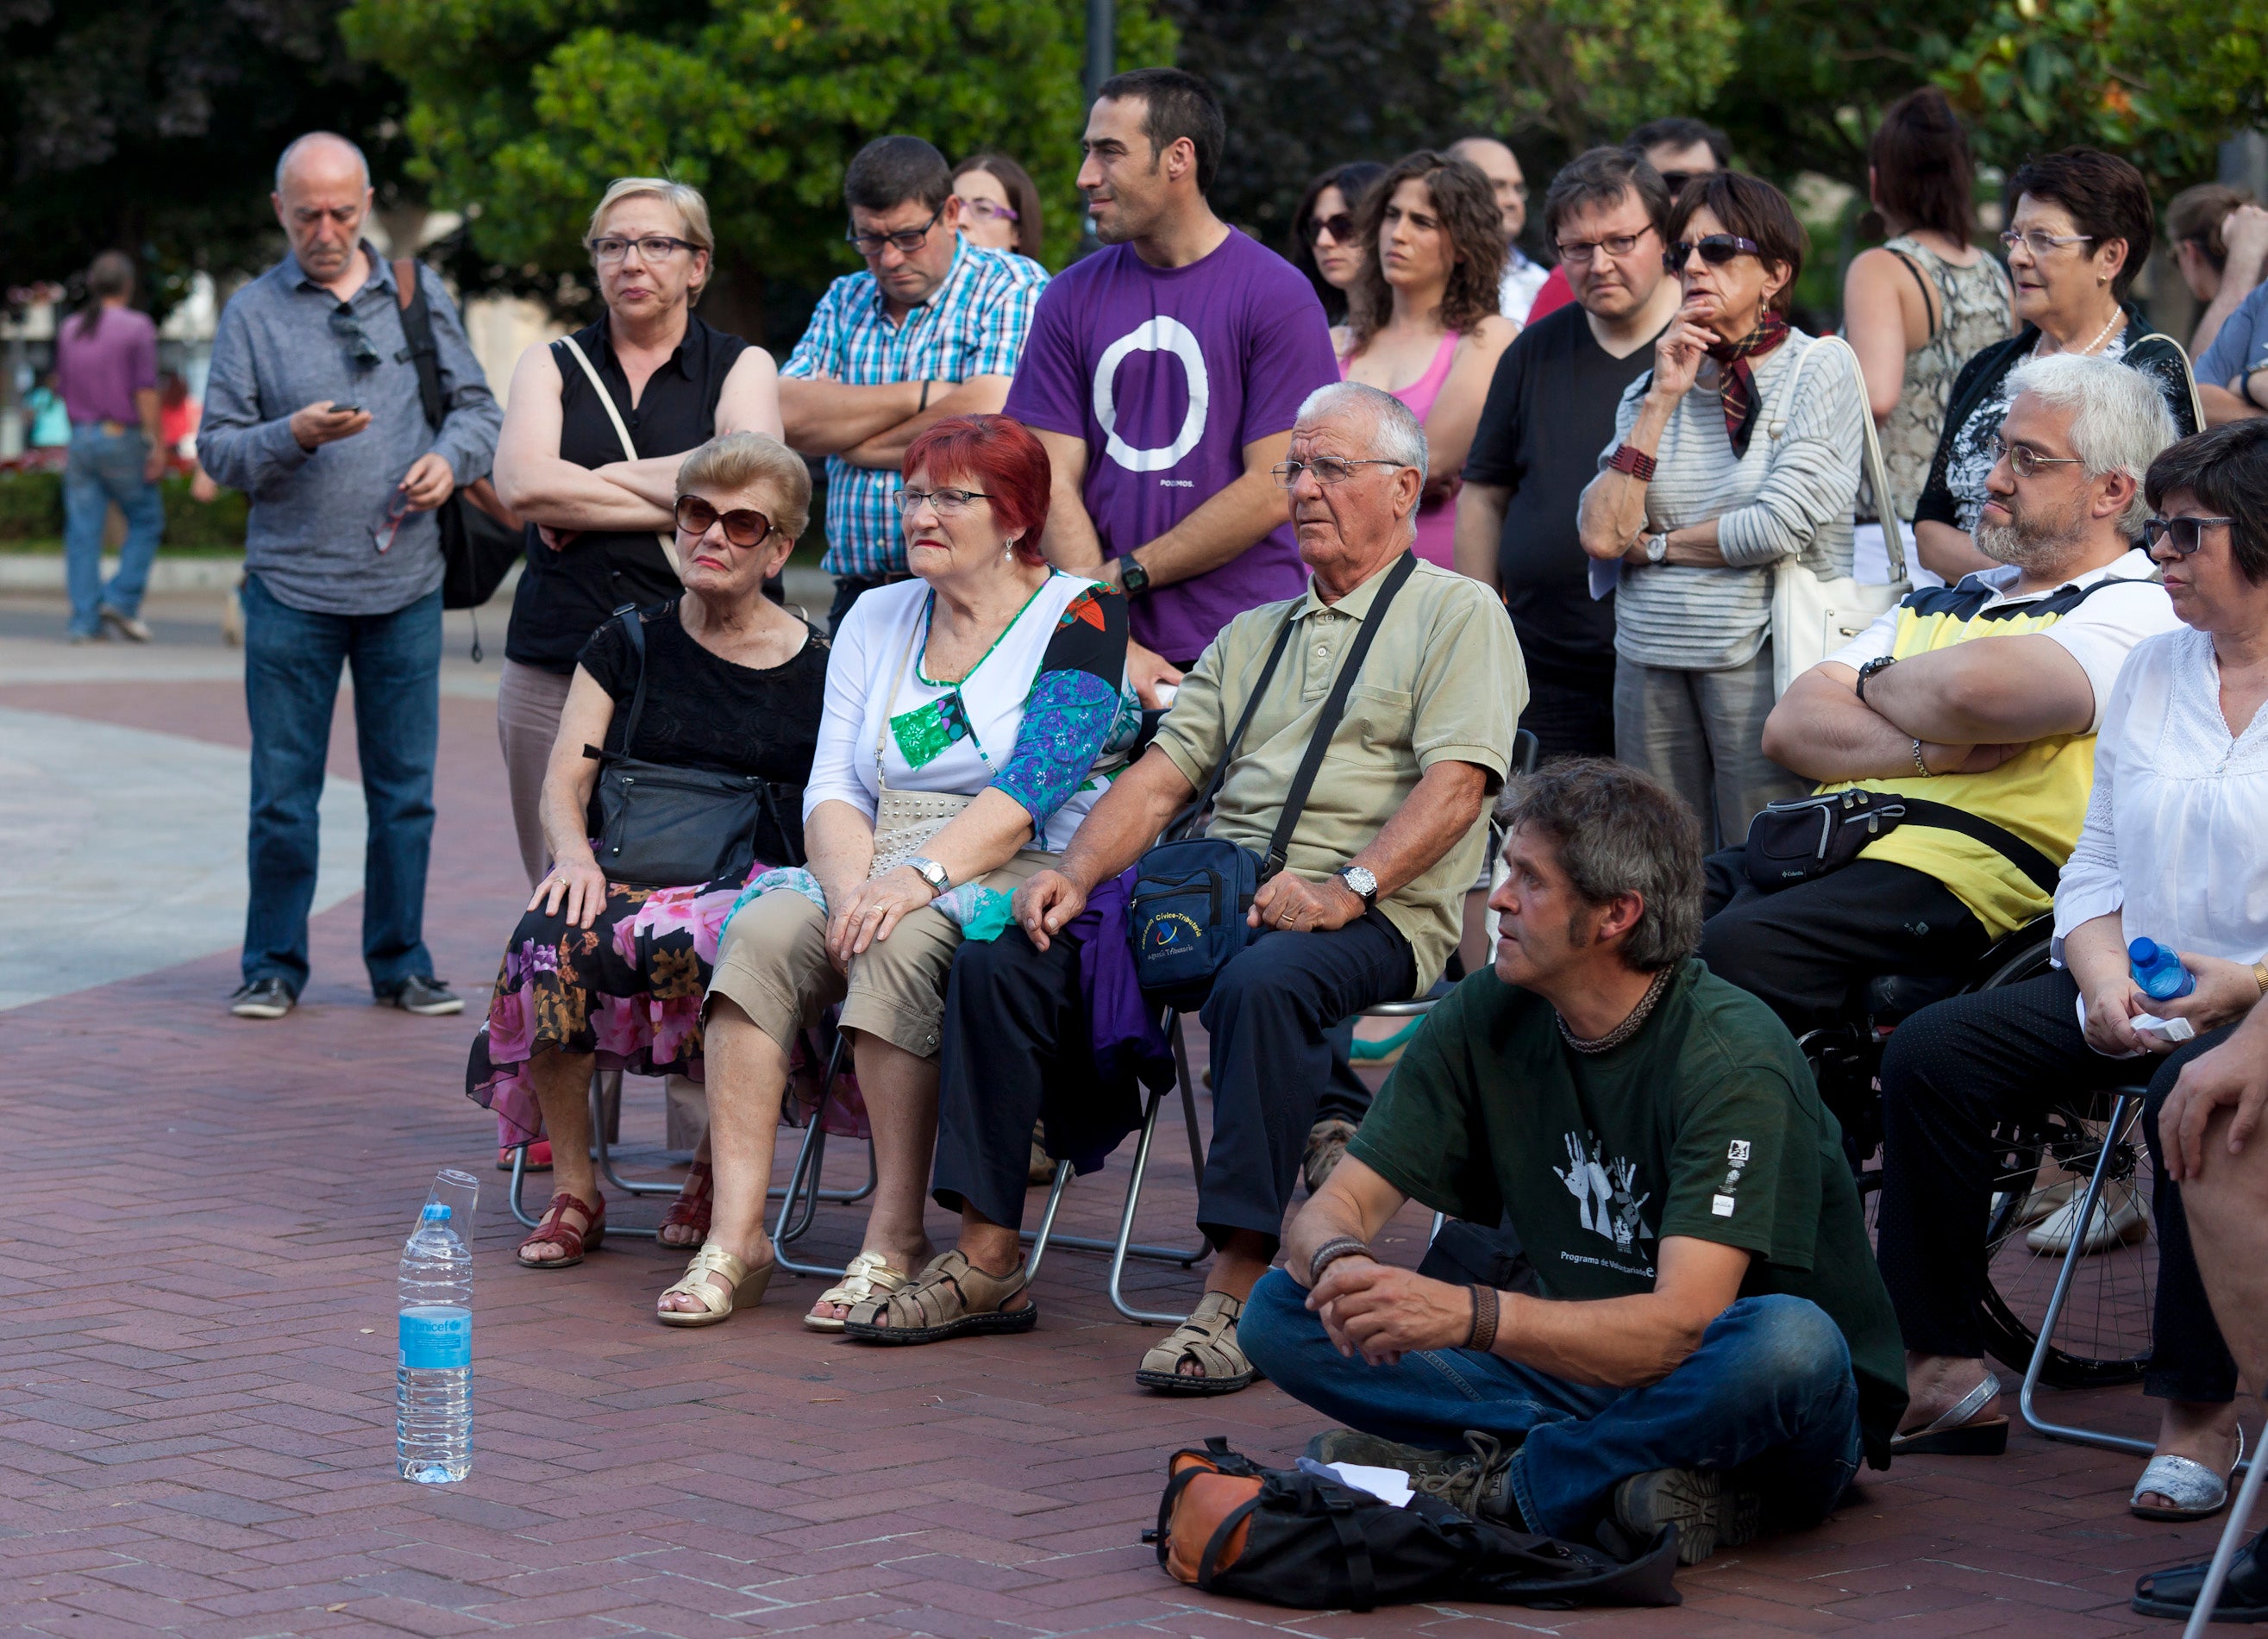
[[974, 714]]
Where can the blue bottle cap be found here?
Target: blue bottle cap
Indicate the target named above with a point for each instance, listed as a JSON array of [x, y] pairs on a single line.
[[2143, 951], [436, 1212]]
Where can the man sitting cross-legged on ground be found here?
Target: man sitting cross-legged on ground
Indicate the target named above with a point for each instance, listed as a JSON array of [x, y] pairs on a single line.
[[1709, 1338], [1366, 911], [1983, 696]]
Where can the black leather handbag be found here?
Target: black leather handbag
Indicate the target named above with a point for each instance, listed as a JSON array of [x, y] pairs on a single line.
[[1804, 838], [662, 827]]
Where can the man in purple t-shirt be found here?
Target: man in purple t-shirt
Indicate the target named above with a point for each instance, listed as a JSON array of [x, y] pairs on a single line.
[[107, 368], [1163, 374]]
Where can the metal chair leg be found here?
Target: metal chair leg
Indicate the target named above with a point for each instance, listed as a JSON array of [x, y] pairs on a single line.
[[2224, 1553], [519, 1172], [1047, 1222]]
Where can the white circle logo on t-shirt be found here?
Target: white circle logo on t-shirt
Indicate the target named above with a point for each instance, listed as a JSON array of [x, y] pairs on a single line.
[[1159, 334]]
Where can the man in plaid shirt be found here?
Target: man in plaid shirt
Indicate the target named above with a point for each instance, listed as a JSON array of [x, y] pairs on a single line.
[[933, 327]]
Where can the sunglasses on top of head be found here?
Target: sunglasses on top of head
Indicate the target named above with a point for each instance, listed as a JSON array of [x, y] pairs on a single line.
[[744, 525], [2185, 534], [1716, 249]]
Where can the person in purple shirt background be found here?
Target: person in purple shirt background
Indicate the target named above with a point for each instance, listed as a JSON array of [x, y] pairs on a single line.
[[1163, 374], [106, 371]]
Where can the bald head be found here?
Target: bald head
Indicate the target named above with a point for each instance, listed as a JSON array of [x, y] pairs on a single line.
[[322, 195], [1498, 162], [324, 154]]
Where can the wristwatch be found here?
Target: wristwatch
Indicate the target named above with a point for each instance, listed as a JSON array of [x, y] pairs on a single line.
[[1361, 884], [1877, 663], [1133, 580], [1657, 548], [930, 871]]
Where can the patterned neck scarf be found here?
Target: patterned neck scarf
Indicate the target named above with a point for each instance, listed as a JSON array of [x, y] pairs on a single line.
[[1736, 386]]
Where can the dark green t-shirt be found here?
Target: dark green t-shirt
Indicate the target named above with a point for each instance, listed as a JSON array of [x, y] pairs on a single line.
[[1704, 1123]]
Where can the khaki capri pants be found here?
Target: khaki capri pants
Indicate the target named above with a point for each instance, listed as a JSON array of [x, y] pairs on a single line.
[[773, 964]]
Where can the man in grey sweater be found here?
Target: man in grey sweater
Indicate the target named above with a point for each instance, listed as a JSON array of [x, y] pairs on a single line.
[[313, 409]]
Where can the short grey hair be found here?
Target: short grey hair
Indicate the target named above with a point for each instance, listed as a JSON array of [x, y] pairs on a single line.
[[1396, 434], [2119, 421], [1617, 831], [284, 160]]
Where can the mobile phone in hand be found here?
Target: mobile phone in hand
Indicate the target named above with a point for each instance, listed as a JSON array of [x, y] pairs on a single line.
[[345, 409]]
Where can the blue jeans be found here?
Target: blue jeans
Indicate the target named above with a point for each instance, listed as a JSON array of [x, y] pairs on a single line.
[[104, 467], [1769, 1393], [291, 660]]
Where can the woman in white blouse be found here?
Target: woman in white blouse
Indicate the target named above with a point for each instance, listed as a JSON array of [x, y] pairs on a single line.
[[2174, 850], [971, 712]]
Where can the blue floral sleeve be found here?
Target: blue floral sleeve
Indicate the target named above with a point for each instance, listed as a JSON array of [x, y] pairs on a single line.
[[1074, 703]]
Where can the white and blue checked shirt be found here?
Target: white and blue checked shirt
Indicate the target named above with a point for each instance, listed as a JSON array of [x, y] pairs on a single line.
[[974, 324]]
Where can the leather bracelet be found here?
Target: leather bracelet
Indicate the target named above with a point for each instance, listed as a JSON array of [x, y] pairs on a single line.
[[925, 397], [1632, 459], [1484, 1313], [1329, 1252], [1920, 767]]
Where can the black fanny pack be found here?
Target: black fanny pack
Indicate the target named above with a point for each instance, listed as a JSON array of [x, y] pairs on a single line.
[[1190, 895], [662, 827], [1805, 838]]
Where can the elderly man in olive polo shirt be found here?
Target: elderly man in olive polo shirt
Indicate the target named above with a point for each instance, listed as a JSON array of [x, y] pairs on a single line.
[[1367, 910]]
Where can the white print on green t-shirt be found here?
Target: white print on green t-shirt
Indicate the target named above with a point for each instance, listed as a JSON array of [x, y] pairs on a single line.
[[1605, 1193]]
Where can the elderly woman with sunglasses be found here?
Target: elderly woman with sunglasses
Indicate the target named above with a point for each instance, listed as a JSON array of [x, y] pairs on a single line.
[[1729, 458], [973, 716], [721, 679], [2081, 227]]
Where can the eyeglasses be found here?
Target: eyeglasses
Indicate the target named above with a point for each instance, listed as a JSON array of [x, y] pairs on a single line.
[[609, 248], [906, 240], [2184, 534], [744, 525], [2040, 243], [945, 503], [1341, 228], [1579, 252], [2026, 461], [1329, 470], [1716, 249], [346, 327], [984, 211]]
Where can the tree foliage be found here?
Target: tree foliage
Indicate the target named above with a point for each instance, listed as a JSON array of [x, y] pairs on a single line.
[[153, 127], [522, 110]]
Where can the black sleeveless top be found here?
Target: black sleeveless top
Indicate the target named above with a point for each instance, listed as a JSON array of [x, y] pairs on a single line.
[[563, 596]]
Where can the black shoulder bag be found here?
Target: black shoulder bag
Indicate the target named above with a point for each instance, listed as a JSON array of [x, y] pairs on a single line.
[[1801, 839], [660, 827], [1188, 908]]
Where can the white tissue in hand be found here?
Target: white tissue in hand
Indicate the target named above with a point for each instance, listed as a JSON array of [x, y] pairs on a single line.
[[1387, 1484]]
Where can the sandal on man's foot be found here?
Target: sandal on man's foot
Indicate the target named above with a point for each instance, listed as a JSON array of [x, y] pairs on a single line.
[[555, 1231], [746, 1288], [950, 1298], [2192, 1491], [869, 1273], [1958, 1432], [1208, 1338], [690, 1210], [2174, 1590]]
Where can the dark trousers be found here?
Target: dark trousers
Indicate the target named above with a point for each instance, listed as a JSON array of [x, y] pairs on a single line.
[[1806, 951], [850, 588], [1571, 713], [1768, 1396], [1951, 1070], [1009, 1012], [291, 662]]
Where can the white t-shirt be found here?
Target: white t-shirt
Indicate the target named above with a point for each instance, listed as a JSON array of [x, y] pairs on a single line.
[[1516, 292]]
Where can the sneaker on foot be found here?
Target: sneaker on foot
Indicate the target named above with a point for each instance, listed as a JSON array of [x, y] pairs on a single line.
[[1327, 1142], [125, 625], [262, 998], [1708, 1513], [429, 998], [1475, 1481]]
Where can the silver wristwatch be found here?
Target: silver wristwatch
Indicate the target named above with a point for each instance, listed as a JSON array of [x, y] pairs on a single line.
[[1361, 884], [1657, 548], [930, 871]]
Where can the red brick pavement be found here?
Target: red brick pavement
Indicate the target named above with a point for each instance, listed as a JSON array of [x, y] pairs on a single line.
[[195, 1376]]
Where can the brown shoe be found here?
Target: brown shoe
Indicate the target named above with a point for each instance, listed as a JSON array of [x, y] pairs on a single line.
[[1327, 1142]]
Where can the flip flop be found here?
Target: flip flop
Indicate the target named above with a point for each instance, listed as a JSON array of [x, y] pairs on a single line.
[[1955, 1434], [2197, 1491]]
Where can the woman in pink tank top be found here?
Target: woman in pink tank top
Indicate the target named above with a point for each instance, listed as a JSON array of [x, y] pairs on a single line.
[[1422, 320]]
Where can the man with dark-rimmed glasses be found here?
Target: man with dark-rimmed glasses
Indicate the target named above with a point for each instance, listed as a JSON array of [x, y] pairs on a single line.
[[934, 326], [313, 409]]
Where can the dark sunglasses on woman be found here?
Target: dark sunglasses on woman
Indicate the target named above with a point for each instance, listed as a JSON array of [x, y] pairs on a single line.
[[744, 526], [1341, 228], [2187, 534], [1716, 249]]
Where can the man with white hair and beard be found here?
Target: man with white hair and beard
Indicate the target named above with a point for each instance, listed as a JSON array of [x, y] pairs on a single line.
[[1982, 697]]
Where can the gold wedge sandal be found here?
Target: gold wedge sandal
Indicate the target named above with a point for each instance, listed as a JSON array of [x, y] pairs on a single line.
[[748, 1288], [869, 1275]]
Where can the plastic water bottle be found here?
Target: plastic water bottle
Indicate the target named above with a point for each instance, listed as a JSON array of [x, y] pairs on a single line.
[[433, 1376], [2158, 971]]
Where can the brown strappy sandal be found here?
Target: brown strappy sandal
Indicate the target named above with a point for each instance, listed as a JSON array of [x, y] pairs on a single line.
[[950, 1298], [1208, 1338], [690, 1210], [555, 1230]]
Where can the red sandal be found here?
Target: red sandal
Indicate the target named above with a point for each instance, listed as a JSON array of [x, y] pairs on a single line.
[[691, 1209], [554, 1230]]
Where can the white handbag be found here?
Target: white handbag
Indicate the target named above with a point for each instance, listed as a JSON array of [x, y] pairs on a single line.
[[666, 539], [1813, 615]]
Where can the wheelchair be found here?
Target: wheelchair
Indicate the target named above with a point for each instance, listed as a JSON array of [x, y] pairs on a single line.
[[2101, 1333]]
